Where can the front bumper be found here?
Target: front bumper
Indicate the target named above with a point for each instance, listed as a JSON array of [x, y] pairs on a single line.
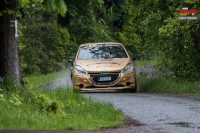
[[118, 81]]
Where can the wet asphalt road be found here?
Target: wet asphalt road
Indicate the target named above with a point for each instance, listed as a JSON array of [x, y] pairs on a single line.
[[159, 113]]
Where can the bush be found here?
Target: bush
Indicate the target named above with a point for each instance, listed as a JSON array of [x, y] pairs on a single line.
[[43, 46]]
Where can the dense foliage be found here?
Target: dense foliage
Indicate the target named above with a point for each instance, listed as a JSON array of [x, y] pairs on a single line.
[[59, 109], [43, 46], [149, 29], [87, 21], [153, 30]]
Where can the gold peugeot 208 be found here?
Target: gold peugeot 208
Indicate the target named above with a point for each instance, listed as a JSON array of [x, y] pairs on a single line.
[[103, 66]]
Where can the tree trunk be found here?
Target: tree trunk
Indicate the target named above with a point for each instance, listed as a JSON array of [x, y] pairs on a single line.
[[9, 51]]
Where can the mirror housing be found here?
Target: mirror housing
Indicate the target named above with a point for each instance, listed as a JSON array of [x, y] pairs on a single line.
[[133, 58], [70, 61]]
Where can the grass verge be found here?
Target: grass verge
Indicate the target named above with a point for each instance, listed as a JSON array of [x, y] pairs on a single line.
[[33, 81], [144, 62], [158, 84], [163, 85], [60, 109]]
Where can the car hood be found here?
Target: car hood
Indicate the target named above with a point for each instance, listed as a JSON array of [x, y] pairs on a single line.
[[103, 65]]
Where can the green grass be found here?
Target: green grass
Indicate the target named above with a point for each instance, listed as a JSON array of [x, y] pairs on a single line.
[[162, 85], [59, 109], [33, 81], [144, 62], [27, 107], [62, 109]]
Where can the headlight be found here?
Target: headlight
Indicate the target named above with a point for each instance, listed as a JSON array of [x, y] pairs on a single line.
[[128, 68], [79, 70]]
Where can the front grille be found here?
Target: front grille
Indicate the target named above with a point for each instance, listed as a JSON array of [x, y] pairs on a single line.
[[113, 77]]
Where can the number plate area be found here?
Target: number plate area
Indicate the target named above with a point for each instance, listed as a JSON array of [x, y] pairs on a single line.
[[104, 78]]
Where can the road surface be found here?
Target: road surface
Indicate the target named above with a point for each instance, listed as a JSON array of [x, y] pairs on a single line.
[[166, 113]]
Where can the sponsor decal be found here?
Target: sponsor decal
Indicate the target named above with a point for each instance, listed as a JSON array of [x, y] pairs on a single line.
[[102, 66], [107, 63], [128, 78], [91, 64], [123, 79], [99, 63], [85, 80], [81, 80], [107, 60]]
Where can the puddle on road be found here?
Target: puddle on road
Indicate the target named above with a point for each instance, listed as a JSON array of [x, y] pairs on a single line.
[[182, 124]]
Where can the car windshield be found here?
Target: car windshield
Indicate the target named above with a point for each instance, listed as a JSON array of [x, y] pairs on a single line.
[[101, 52]]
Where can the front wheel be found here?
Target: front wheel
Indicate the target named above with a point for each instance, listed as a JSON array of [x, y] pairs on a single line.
[[134, 90]]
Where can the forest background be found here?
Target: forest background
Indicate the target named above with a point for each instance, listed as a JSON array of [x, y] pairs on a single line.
[[150, 30]]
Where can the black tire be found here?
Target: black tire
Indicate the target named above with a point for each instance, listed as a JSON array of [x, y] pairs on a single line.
[[134, 90]]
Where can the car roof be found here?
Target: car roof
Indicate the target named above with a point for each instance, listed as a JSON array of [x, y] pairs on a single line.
[[100, 43]]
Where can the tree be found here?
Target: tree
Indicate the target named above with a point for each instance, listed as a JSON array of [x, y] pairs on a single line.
[[42, 34], [86, 21], [9, 53], [153, 31]]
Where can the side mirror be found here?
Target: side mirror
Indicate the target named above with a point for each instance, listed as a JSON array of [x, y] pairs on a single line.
[[1, 80], [133, 58], [70, 61]]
